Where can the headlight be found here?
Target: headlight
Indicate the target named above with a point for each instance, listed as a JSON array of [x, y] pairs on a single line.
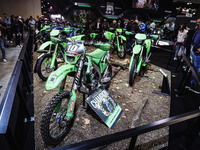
[[139, 41]]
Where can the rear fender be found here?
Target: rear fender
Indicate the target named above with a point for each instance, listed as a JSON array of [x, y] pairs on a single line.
[[57, 76], [123, 37], [46, 44]]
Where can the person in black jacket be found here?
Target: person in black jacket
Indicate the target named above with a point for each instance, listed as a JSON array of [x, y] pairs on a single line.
[[98, 29], [2, 40], [98, 25], [133, 26], [17, 31], [114, 24]]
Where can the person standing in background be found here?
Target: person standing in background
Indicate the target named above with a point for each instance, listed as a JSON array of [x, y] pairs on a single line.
[[21, 27], [17, 32], [8, 23], [195, 52], [133, 25], [2, 35], [31, 24], [113, 24], [142, 27], [182, 35], [12, 19], [98, 29]]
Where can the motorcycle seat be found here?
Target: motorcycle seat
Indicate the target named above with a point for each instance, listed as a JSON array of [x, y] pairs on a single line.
[[96, 55]]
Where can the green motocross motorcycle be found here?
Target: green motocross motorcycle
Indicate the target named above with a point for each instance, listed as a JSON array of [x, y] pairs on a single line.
[[47, 63], [140, 56], [90, 71], [118, 41]]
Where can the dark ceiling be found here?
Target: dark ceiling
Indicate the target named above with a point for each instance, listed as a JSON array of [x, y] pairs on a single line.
[[122, 8]]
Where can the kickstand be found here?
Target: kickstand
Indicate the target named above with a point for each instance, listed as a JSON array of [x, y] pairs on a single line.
[[85, 105]]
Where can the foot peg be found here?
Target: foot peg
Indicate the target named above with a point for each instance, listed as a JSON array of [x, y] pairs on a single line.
[[105, 80]]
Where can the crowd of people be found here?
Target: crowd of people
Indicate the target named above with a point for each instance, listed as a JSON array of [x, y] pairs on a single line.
[[129, 24], [12, 31]]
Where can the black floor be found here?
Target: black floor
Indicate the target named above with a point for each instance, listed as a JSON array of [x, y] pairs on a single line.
[[187, 102]]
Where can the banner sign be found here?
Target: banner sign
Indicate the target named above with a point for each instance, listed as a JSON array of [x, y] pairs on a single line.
[[105, 107]]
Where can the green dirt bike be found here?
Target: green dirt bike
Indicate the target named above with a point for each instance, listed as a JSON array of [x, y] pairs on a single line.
[[90, 71], [118, 41], [47, 63], [42, 36], [140, 56]]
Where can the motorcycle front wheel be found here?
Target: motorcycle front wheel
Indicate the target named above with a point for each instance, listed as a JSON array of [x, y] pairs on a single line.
[[133, 72], [44, 66], [121, 53], [54, 127]]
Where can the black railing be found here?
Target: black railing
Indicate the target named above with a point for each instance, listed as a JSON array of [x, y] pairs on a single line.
[[130, 133], [16, 109], [135, 132]]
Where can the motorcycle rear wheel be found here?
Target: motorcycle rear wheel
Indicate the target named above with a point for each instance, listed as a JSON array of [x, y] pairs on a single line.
[[122, 52], [54, 135]]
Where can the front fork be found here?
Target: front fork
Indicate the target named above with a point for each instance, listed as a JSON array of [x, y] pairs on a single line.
[[62, 86], [118, 46], [72, 101], [54, 56]]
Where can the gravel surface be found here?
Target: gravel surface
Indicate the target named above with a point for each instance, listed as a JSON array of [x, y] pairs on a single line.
[[88, 125]]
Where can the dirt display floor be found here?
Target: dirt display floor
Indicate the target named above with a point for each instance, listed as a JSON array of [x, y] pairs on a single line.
[[88, 125]]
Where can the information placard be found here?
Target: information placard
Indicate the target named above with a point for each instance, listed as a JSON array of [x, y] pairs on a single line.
[[105, 107]]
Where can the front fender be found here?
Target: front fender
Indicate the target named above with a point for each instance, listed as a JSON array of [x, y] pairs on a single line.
[[123, 37], [46, 44], [137, 49], [57, 76]]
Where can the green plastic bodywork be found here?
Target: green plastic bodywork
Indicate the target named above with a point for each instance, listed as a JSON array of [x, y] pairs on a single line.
[[139, 64], [154, 36], [46, 44], [96, 55], [70, 107], [57, 76], [68, 30], [119, 30], [148, 45], [123, 37], [75, 38], [93, 35], [128, 33], [137, 49], [103, 46], [140, 36], [54, 33], [109, 35]]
